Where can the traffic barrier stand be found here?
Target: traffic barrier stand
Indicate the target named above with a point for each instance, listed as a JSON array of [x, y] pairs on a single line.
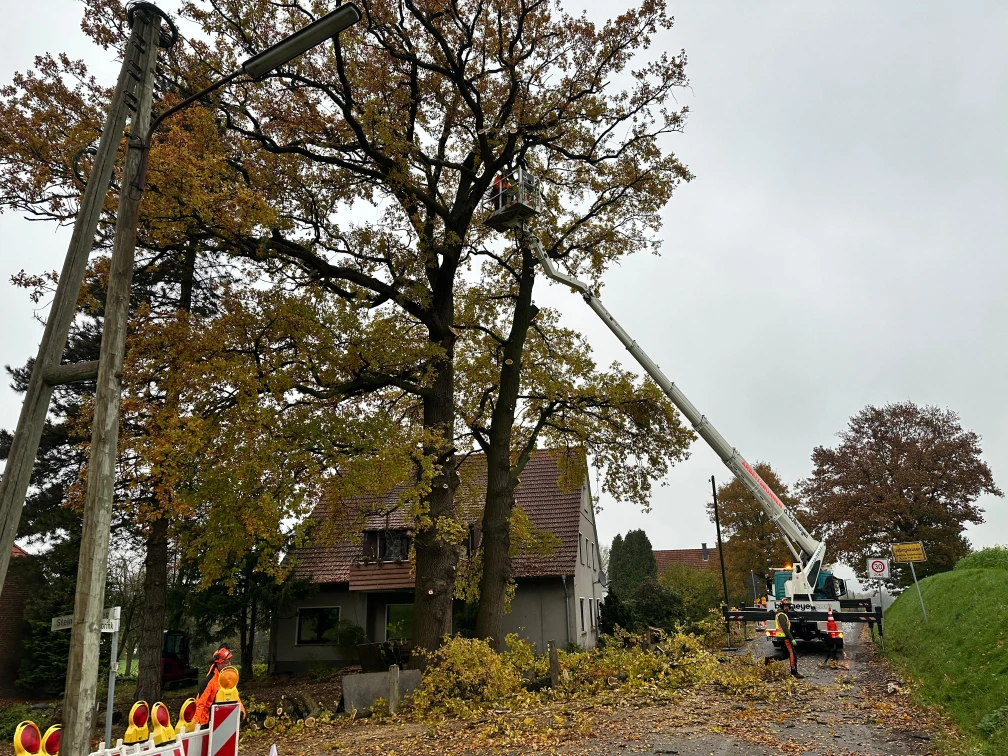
[[219, 738], [225, 719]]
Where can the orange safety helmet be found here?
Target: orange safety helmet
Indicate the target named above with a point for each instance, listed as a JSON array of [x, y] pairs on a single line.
[[222, 656]]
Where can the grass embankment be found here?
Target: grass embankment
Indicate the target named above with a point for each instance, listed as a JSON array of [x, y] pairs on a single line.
[[959, 660]]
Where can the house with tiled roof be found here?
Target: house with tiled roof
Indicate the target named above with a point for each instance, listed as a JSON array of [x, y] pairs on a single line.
[[365, 577], [700, 559]]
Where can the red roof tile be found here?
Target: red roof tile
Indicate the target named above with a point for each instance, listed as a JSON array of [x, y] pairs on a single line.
[[18, 551], [547, 506], [690, 557]]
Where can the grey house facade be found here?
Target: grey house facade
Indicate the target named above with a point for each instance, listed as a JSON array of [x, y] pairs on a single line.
[[366, 578]]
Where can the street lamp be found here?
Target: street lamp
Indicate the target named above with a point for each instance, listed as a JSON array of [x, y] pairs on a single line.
[[259, 65]]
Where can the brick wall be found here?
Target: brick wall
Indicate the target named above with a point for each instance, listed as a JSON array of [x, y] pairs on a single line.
[[12, 601]]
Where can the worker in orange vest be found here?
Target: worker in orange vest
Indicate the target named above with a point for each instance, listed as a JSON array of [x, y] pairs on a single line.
[[207, 696], [784, 625]]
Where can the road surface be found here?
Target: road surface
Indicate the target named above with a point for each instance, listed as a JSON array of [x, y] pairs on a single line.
[[842, 707]]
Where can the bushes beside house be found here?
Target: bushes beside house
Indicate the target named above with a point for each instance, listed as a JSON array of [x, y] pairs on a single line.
[[465, 677], [653, 604]]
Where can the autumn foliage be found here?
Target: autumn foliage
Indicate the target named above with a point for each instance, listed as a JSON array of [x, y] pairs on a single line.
[[752, 543], [901, 472]]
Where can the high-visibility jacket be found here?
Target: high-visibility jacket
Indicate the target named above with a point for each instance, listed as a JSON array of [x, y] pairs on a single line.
[[784, 625], [206, 699]]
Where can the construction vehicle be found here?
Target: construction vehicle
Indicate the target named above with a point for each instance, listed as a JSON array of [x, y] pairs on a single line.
[[175, 669], [813, 590]]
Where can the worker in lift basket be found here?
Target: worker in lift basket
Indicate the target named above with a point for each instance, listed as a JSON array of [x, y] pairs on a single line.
[[210, 686], [784, 625]]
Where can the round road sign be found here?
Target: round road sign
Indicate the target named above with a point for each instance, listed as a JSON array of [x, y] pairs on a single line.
[[878, 568]]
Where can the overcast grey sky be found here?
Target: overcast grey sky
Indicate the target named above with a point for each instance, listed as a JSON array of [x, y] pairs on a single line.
[[841, 245]]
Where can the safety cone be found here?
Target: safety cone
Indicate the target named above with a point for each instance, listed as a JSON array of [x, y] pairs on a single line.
[[831, 626]]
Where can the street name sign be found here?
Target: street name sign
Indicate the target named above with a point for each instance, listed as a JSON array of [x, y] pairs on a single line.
[[65, 623], [909, 552]]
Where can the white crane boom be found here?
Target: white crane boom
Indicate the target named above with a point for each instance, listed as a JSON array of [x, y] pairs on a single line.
[[808, 552]]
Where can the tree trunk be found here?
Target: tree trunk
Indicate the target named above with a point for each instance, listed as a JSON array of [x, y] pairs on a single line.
[[253, 619], [437, 558], [248, 648], [246, 663], [156, 563], [271, 661], [155, 593], [130, 643], [501, 479]]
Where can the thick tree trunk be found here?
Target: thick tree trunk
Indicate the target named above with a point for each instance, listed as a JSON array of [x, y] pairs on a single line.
[[437, 558], [501, 479], [155, 593]]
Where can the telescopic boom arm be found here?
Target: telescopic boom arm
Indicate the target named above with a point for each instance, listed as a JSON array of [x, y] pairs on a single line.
[[807, 551]]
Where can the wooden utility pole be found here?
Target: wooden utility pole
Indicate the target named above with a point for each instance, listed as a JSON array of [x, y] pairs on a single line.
[[47, 371], [82, 670]]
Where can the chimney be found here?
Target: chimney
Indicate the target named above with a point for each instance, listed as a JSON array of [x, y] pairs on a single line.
[[703, 550]]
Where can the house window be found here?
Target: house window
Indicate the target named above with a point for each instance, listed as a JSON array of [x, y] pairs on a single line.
[[582, 615], [591, 614], [387, 545], [581, 555], [473, 540], [399, 622], [315, 626]]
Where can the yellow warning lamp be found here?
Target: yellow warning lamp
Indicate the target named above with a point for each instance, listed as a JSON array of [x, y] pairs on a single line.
[[187, 716], [51, 740], [137, 731], [27, 739], [228, 681], [161, 723]]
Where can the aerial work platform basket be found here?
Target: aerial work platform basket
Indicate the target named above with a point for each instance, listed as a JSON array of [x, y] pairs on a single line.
[[514, 198]]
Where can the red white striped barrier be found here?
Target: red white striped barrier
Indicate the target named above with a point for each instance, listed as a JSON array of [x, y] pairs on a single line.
[[224, 721], [220, 738]]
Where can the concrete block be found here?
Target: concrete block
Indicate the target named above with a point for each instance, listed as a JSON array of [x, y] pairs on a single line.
[[361, 691]]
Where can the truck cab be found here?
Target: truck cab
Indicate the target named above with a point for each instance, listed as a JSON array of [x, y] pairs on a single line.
[[829, 591]]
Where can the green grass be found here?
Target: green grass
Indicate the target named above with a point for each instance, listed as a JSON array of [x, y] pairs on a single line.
[[995, 557], [960, 659]]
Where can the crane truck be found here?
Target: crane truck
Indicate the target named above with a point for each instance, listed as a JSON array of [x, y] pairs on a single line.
[[815, 593]]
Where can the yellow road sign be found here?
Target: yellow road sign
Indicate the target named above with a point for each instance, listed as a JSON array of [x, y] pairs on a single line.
[[909, 552]]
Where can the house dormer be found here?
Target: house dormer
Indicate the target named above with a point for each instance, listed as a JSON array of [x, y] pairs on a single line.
[[382, 546]]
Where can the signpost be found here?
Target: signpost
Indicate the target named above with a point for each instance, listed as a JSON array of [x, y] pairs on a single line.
[[912, 552], [110, 624], [878, 568]]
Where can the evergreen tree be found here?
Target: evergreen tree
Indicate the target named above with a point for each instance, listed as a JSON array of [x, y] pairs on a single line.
[[631, 562], [657, 605]]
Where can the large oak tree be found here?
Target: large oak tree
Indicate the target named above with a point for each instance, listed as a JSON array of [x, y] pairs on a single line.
[[901, 472]]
